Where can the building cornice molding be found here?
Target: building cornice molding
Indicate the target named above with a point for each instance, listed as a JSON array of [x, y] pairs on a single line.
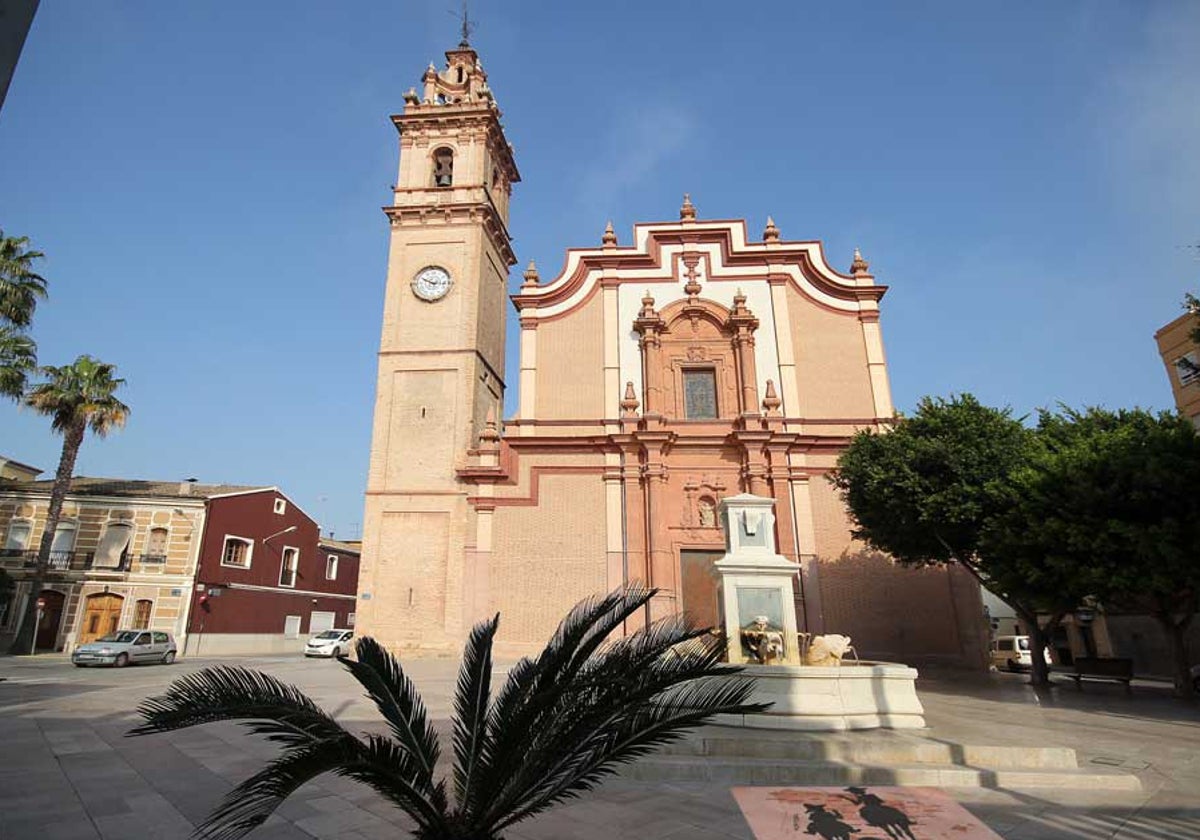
[[658, 245]]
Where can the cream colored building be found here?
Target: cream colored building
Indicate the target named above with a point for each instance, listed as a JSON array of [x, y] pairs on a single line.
[[657, 375], [124, 555], [16, 471], [1177, 349]]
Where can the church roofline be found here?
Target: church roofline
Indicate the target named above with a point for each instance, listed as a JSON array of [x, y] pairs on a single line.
[[802, 262]]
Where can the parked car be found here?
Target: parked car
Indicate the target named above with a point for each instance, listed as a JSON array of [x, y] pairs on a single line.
[[329, 643], [1012, 653], [127, 647]]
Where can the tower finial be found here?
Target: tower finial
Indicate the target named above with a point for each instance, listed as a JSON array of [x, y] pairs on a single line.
[[771, 232], [859, 265], [629, 405], [687, 212], [468, 26], [610, 236], [531, 275]]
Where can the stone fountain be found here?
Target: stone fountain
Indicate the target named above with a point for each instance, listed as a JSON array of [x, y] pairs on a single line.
[[759, 624]]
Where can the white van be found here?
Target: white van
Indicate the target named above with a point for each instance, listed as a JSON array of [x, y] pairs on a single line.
[[1012, 653]]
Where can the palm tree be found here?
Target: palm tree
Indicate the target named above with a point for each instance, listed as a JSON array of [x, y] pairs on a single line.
[[20, 290], [561, 723], [76, 397]]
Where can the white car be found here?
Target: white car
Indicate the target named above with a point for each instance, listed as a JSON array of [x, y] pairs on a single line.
[[1011, 653], [330, 643]]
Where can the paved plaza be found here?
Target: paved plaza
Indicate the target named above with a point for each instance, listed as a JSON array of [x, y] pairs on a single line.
[[68, 771]]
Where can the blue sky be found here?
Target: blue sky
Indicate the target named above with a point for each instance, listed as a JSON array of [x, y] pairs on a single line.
[[206, 181]]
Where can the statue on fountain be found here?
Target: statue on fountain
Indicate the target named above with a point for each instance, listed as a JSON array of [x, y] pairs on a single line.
[[763, 643]]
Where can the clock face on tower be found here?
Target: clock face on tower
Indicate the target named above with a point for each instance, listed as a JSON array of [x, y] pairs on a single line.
[[431, 283]]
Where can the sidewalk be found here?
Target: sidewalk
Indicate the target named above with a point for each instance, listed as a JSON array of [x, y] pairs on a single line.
[[69, 772]]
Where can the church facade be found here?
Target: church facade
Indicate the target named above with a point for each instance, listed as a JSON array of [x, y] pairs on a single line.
[[656, 376]]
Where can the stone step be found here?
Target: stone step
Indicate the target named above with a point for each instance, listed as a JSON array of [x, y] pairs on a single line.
[[873, 749], [763, 771]]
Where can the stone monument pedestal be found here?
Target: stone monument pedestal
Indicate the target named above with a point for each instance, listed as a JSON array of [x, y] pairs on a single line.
[[759, 616]]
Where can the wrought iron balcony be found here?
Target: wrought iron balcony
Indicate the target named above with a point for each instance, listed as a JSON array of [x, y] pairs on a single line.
[[59, 561], [66, 561]]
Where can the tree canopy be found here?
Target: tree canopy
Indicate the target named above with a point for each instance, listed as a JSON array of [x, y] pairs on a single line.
[[1088, 506]]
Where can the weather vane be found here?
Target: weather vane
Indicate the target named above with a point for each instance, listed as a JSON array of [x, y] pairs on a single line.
[[468, 25]]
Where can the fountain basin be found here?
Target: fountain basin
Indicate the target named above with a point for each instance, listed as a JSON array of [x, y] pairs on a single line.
[[863, 695]]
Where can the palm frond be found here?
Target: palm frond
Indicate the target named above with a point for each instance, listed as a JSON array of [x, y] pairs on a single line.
[[661, 669], [472, 744], [377, 763], [631, 733], [249, 804], [534, 686], [392, 771], [260, 702], [18, 359], [397, 699]]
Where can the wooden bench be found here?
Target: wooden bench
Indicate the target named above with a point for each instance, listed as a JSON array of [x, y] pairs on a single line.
[[1101, 668]]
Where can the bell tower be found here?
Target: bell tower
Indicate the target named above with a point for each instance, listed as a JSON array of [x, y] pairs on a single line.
[[441, 354]]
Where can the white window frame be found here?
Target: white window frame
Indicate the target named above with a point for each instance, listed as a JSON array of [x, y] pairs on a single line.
[[19, 522], [249, 551], [281, 506], [350, 620], [331, 565], [283, 566]]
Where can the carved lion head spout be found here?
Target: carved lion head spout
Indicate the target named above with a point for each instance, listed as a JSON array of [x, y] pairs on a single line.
[[827, 650], [764, 643]]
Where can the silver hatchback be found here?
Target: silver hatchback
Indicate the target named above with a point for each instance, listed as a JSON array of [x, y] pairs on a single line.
[[127, 647]]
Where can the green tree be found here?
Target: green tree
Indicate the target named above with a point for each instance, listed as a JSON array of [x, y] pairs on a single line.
[[924, 491], [76, 397], [1047, 540], [560, 724], [1115, 501], [20, 290]]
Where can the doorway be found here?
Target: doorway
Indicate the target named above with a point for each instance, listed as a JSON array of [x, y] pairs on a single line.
[[47, 634], [101, 616], [698, 585]]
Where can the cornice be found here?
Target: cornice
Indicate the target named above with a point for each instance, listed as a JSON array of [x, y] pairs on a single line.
[[801, 264], [469, 212]]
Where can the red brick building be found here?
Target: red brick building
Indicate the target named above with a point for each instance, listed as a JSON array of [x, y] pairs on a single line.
[[266, 579]]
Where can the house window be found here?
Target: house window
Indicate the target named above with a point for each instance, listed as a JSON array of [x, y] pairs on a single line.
[[443, 167], [291, 627], [350, 621], [156, 546], [18, 536], [141, 614], [1187, 368], [110, 552], [287, 569], [281, 506], [62, 545], [237, 552], [700, 394], [331, 567]]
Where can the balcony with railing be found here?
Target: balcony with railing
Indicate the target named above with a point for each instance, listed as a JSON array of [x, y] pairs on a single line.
[[59, 561]]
